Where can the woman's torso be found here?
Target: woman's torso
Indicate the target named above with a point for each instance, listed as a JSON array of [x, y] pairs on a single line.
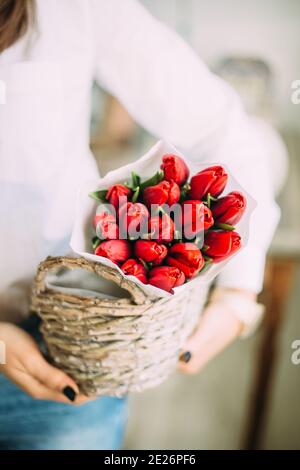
[[44, 143]]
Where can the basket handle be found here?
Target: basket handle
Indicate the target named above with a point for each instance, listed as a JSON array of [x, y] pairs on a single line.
[[53, 263]]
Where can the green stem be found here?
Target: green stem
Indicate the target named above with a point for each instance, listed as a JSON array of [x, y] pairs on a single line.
[[146, 266], [227, 227], [136, 194], [206, 266], [210, 199]]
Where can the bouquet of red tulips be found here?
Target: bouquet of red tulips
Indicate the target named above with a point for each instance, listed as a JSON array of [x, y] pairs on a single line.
[[164, 229]]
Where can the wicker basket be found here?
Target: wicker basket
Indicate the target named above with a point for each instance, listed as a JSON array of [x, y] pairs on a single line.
[[112, 346]]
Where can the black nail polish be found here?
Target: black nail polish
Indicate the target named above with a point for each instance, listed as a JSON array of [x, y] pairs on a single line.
[[70, 393], [186, 356]]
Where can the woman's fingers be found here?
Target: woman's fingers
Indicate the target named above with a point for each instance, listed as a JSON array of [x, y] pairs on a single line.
[[27, 368], [54, 379], [41, 391], [49, 375], [217, 329], [34, 388]]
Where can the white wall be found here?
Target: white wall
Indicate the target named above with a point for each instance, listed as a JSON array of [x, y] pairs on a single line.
[[264, 28]]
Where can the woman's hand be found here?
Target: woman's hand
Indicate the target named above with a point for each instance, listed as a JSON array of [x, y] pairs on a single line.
[[27, 368], [217, 328]]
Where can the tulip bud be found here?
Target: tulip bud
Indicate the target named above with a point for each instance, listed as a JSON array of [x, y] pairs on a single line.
[[211, 181], [117, 191], [106, 226], [164, 192], [133, 219], [175, 169], [220, 245], [196, 217], [150, 251], [229, 209], [117, 251], [187, 257], [161, 228], [166, 277], [132, 267]]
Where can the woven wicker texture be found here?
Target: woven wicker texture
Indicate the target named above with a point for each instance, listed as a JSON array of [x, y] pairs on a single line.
[[112, 346]]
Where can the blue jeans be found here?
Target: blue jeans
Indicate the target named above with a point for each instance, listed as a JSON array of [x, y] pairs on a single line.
[[29, 424]]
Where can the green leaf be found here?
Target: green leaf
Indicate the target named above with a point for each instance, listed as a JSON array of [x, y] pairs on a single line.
[[227, 227], [155, 179], [183, 195], [136, 194], [99, 195], [95, 242], [129, 185], [136, 180], [184, 191]]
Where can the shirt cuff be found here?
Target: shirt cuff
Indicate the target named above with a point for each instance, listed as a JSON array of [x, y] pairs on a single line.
[[244, 271]]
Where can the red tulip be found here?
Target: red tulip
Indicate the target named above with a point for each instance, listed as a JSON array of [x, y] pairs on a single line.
[[212, 180], [132, 267], [106, 226], [219, 245], [175, 169], [187, 257], [196, 217], [166, 277], [150, 251], [229, 209], [161, 228], [115, 192], [117, 251], [133, 218], [164, 192]]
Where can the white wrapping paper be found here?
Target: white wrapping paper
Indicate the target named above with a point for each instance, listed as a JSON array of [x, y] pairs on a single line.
[[146, 166]]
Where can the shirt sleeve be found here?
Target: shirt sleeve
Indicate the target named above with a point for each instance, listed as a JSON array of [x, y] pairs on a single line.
[[170, 91]]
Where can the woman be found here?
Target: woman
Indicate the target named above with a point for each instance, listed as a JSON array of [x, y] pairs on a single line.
[[50, 52]]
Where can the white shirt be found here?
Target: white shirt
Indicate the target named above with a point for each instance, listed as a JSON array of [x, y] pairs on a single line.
[[44, 128]]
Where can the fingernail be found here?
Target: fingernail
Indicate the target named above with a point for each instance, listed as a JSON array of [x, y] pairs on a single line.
[[70, 393], [185, 357]]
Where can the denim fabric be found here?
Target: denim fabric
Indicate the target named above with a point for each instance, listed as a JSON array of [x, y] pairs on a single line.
[[29, 424]]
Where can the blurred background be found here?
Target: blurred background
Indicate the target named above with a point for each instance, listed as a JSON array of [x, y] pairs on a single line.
[[248, 397]]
